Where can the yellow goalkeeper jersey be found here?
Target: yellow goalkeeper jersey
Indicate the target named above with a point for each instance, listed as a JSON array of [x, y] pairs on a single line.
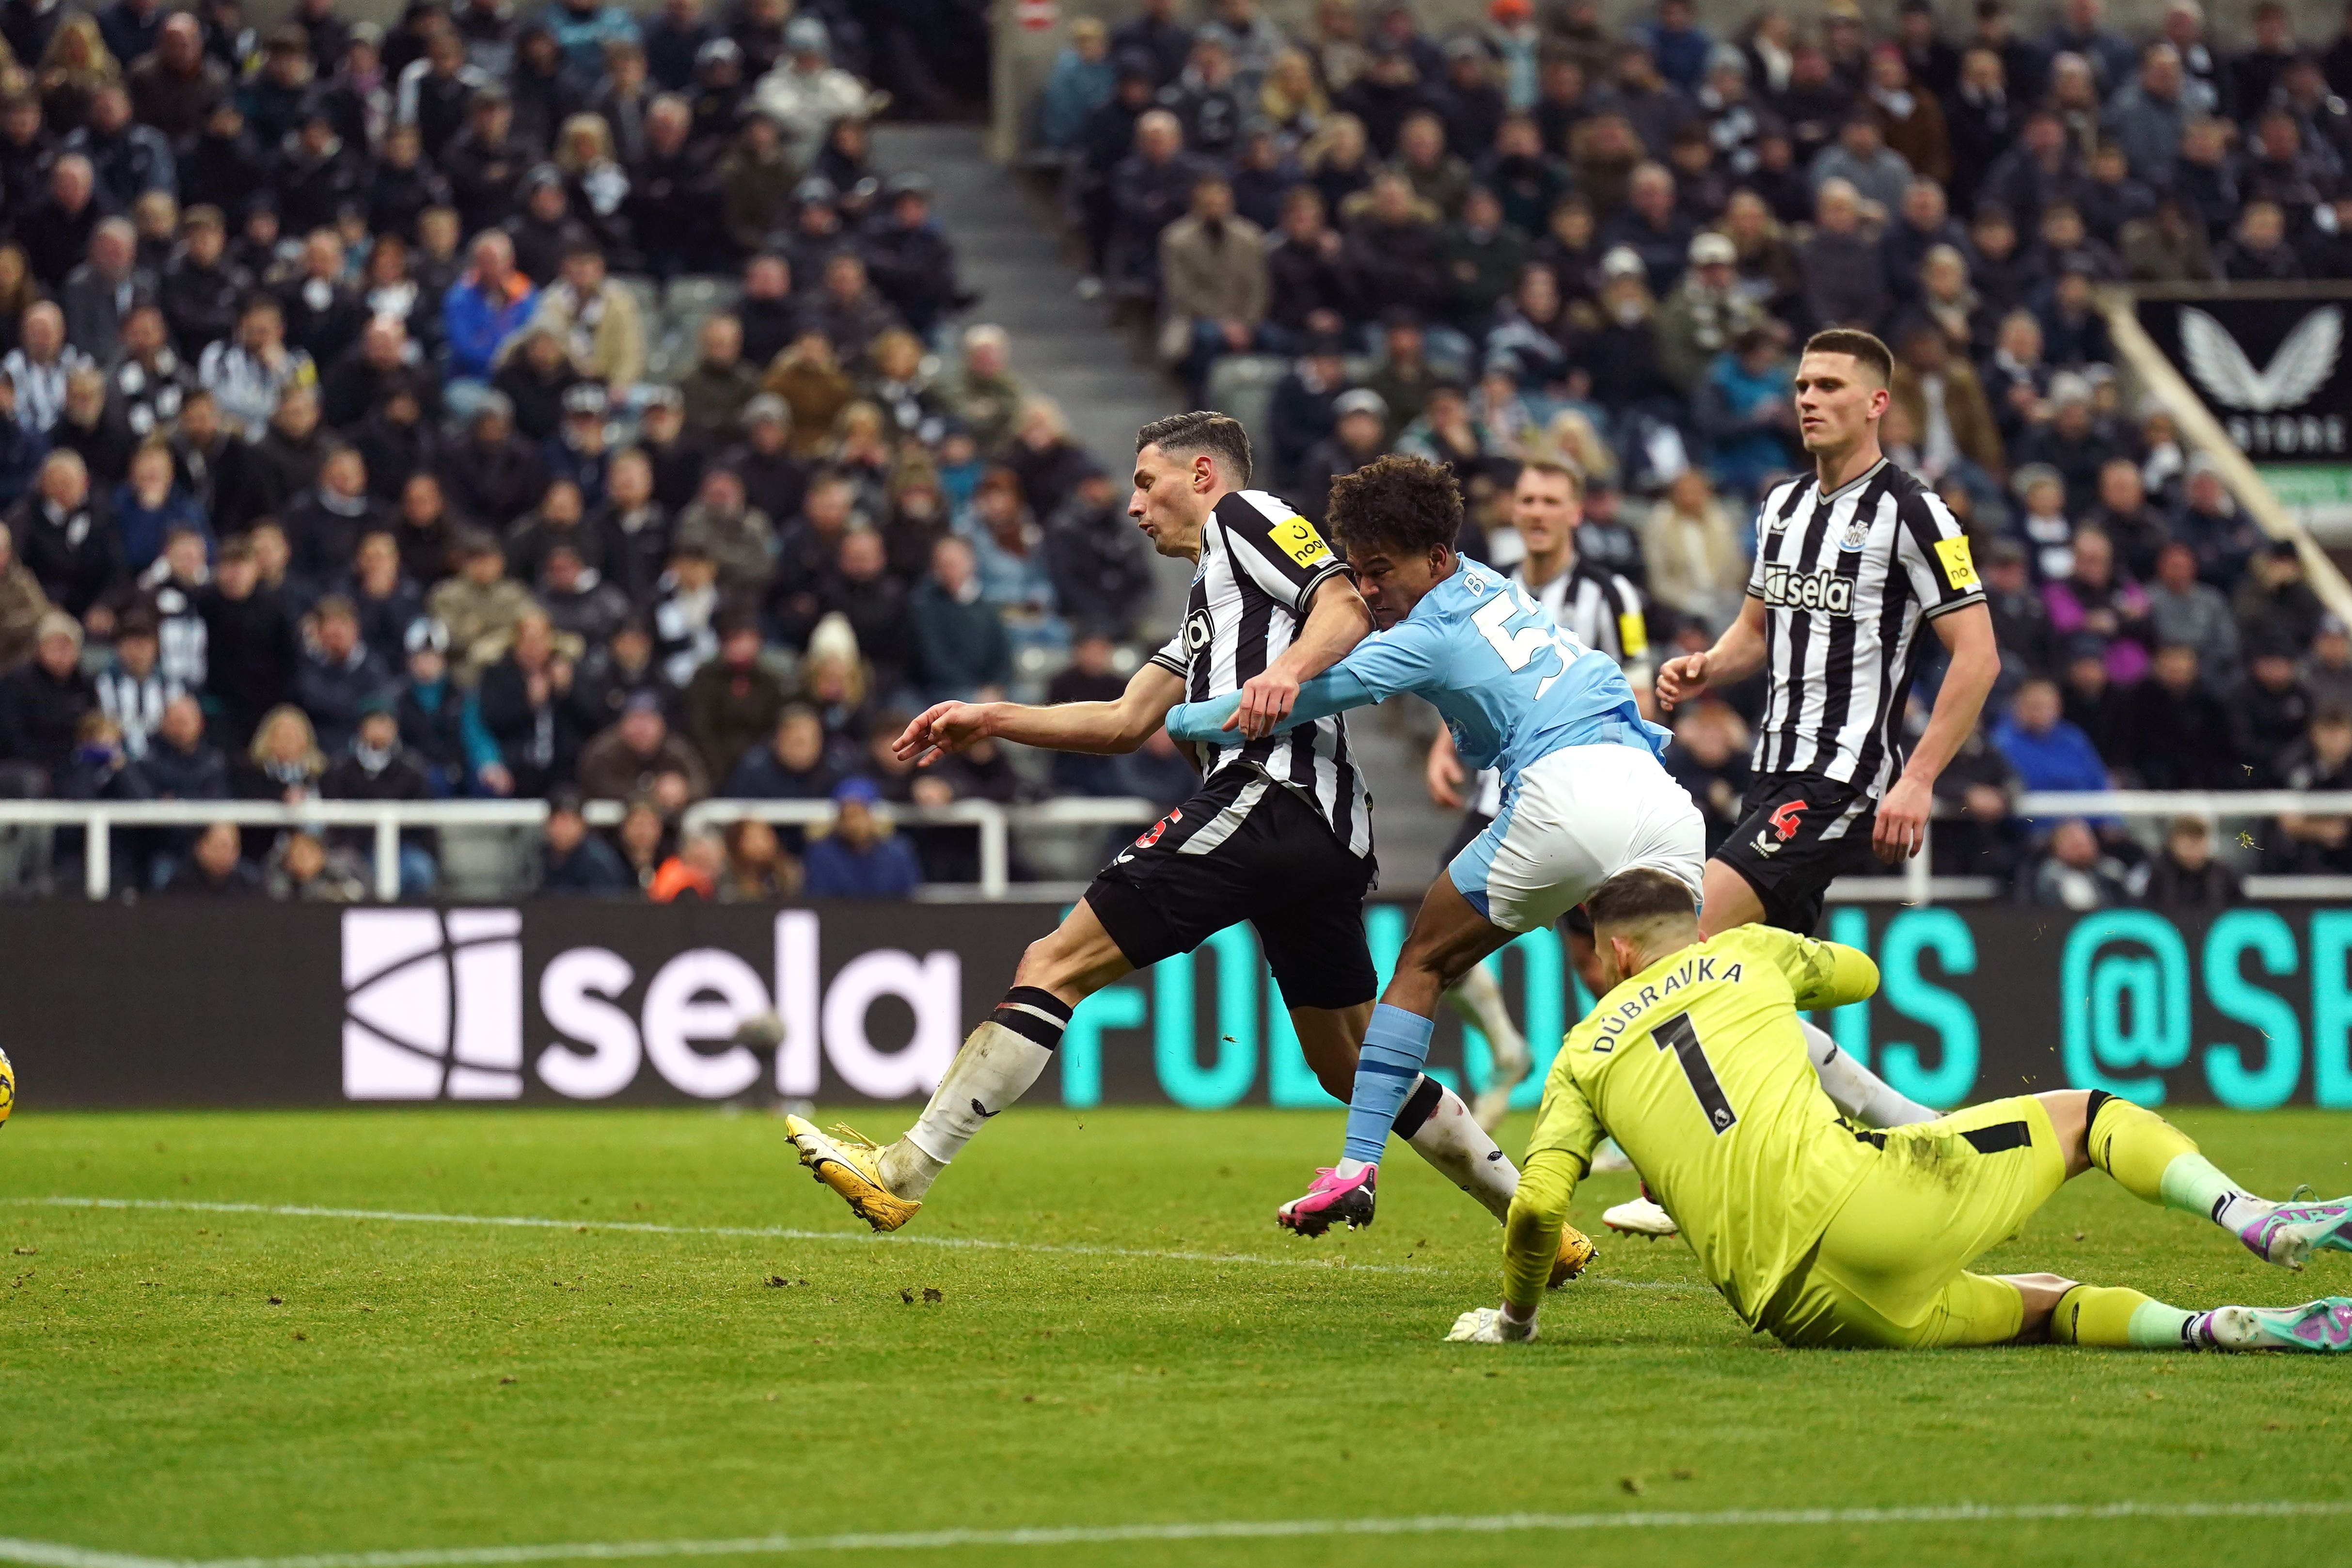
[[1696, 1067]]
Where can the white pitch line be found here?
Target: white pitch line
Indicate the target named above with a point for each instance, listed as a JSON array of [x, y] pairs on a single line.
[[533, 1222], [45, 1554]]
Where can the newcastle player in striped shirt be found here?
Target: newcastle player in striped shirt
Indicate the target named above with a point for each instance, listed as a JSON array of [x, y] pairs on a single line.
[[1850, 562], [1279, 832]]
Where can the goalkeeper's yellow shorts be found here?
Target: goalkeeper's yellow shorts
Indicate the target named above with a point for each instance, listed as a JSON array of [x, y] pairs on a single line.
[[1891, 1272]]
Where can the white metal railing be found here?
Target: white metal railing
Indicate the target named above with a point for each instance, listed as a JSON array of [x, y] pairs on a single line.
[[994, 825], [386, 819], [1918, 884]]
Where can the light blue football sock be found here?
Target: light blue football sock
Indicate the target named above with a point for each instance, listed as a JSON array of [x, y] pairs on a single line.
[[1395, 1045]]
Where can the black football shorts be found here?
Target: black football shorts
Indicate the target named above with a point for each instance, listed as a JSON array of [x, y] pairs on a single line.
[[1801, 832], [1245, 849]]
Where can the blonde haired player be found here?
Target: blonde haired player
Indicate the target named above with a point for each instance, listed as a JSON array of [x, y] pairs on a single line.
[[1825, 1233]]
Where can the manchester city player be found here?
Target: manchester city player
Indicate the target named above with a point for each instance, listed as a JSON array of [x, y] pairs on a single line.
[[1584, 796]]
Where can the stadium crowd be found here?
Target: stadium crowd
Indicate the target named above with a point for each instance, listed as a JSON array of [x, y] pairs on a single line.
[[1540, 234], [556, 403]]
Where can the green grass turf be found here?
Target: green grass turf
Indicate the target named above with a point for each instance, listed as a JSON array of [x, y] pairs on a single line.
[[422, 1385]]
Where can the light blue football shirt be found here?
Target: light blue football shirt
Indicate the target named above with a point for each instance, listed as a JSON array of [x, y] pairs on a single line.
[[1510, 682]]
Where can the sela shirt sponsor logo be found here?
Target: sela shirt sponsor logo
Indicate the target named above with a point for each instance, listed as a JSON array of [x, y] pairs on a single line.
[[433, 1008], [1824, 590]]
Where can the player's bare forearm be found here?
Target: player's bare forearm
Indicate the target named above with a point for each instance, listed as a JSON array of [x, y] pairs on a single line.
[[1335, 622], [1960, 701], [1531, 1231], [1101, 729], [1739, 653]]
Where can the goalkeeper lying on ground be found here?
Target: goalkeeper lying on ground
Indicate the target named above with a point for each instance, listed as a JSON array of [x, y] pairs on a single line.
[[1828, 1234]]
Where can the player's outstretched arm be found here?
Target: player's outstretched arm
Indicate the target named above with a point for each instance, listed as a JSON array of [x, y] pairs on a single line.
[[1335, 622], [1737, 654], [1333, 691], [1902, 825], [1104, 729]]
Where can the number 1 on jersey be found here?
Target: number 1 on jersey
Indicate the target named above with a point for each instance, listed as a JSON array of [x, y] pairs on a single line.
[[1677, 1034]]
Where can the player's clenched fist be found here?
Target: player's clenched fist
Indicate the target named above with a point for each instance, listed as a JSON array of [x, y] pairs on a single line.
[[1680, 679], [1266, 700], [948, 726]]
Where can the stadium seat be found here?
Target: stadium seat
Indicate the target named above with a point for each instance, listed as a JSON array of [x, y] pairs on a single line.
[[1243, 386]]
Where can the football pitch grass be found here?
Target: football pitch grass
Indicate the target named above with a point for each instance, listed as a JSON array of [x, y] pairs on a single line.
[[276, 1338]]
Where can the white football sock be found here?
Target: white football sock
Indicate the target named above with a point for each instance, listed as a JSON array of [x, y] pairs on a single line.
[[995, 1068], [1452, 1141], [1853, 1088], [1479, 999]]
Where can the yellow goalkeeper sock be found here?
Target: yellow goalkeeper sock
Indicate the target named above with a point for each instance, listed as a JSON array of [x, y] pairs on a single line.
[[2111, 1317], [2156, 1160]]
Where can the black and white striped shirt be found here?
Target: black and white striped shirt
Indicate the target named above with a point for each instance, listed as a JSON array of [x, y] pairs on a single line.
[[1846, 578], [1261, 563]]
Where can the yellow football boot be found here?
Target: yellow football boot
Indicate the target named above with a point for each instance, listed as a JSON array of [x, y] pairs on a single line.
[[1576, 1251], [852, 1166]]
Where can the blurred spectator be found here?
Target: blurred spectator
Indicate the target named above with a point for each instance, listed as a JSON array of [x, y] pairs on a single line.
[[65, 536], [2321, 762], [340, 676], [2183, 611], [573, 859], [2327, 671], [860, 858], [1709, 759], [2094, 601], [2048, 752], [757, 868], [732, 703], [283, 762], [388, 602], [1359, 435], [42, 702], [639, 755], [960, 647], [691, 873], [301, 870], [1080, 83], [215, 867], [2274, 600], [791, 766], [178, 761], [1983, 838], [2178, 733], [23, 606], [737, 539], [2186, 875], [1695, 563], [2021, 620], [2074, 873], [2273, 710], [431, 711], [524, 724], [1098, 562], [251, 653], [864, 593], [376, 766], [481, 605]]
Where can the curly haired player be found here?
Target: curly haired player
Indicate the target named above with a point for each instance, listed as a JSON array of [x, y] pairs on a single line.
[[1279, 835], [1826, 1234], [1583, 794]]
